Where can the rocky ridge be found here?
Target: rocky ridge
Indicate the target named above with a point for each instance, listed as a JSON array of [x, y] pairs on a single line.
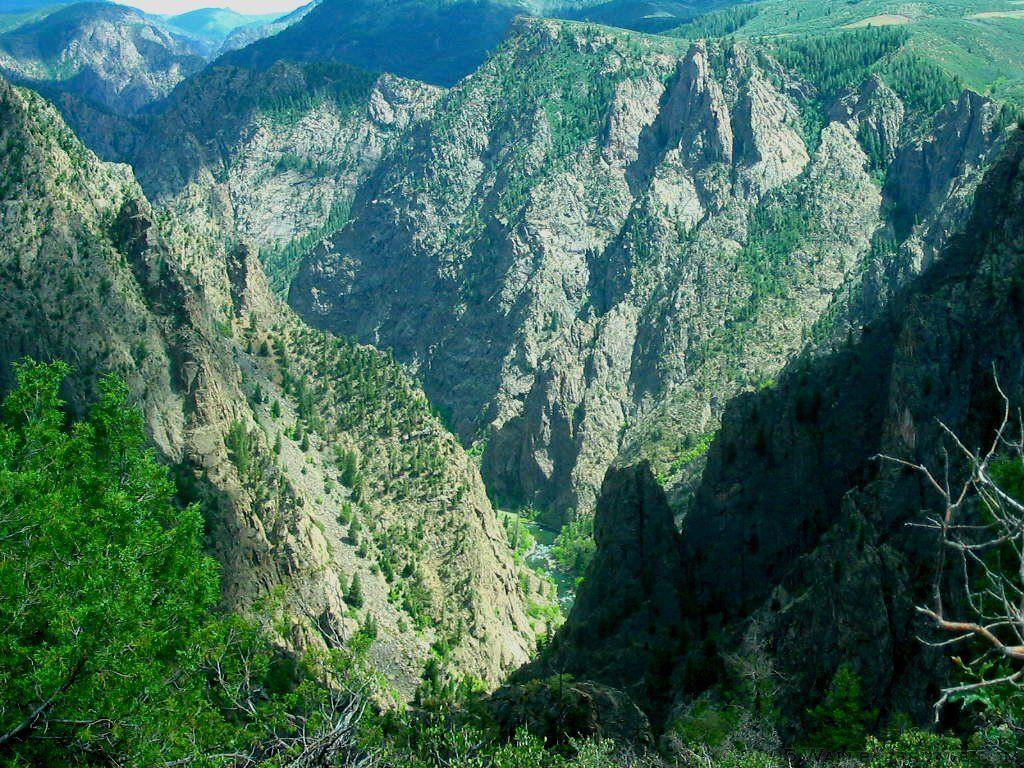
[[271, 158], [243, 36], [433, 41]]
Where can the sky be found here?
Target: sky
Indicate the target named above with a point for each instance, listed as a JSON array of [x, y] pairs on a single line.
[[242, 6]]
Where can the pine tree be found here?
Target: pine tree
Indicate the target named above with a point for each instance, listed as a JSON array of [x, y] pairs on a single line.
[[354, 595], [842, 721], [239, 443]]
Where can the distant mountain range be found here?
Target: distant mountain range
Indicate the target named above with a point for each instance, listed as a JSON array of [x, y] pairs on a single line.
[[114, 56], [242, 36], [215, 24], [441, 41], [24, 6], [123, 59]]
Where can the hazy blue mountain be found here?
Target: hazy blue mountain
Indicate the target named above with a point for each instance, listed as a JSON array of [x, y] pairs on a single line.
[[23, 6], [215, 24], [242, 36], [438, 42], [20, 17]]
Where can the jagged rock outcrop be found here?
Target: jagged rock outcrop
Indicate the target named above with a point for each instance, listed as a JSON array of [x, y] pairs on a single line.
[[318, 461], [588, 259], [558, 709], [797, 535], [875, 110], [111, 55]]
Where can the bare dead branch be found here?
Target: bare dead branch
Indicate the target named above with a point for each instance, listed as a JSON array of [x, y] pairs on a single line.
[[981, 533]]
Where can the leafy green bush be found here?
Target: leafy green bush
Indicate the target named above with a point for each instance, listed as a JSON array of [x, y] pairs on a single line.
[[104, 582], [441, 740], [915, 749], [706, 723], [239, 443], [751, 759], [574, 547], [354, 594]]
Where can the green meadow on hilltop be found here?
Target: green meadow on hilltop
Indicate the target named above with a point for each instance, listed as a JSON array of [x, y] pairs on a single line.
[[982, 43]]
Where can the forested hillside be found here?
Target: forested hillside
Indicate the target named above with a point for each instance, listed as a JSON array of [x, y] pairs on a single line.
[[319, 462], [978, 42]]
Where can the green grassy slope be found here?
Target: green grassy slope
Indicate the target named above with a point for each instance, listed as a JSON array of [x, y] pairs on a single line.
[[979, 41]]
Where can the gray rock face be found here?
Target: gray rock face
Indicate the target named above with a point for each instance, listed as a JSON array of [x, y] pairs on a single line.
[[932, 180], [335, 147], [796, 533], [875, 109], [577, 297], [270, 157]]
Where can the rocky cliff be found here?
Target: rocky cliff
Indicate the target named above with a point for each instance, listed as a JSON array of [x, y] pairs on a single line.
[[625, 626], [319, 461], [599, 237], [795, 556]]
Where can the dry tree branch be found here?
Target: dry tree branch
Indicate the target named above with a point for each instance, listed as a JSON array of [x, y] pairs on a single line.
[[979, 521]]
